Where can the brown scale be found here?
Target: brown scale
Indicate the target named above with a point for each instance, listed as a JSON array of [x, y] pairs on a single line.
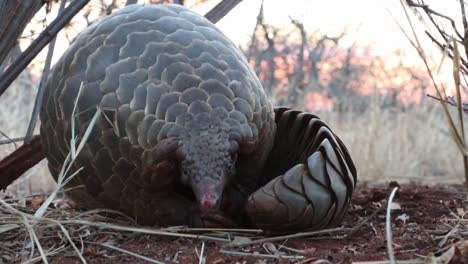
[[187, 135]]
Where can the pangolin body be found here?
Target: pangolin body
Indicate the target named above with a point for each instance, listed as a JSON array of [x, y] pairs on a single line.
[[186, 131]]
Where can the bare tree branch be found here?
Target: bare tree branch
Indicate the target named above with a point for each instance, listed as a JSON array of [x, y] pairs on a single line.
[[221, 9], [434, 18], [39, 43], [451, 101], [465, 27], [11, 141], [14, 16], [253, 38], [131, 2], [298, 85]]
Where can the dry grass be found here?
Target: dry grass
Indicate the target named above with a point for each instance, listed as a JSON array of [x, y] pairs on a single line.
[[391, 144]]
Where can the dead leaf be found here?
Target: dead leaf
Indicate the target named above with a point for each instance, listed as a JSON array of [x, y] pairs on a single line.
[[89, 251], [403, 218]]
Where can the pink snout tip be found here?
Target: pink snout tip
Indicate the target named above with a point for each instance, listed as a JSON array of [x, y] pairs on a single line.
[[208, 201]]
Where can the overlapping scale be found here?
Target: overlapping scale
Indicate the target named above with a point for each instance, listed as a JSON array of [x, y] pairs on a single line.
[[151, 69], [309, 177]]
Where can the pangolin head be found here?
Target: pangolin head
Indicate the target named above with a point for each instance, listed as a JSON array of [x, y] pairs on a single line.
[[207, 155]]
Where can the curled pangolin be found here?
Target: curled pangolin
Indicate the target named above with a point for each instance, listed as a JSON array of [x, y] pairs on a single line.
[[187, 135]]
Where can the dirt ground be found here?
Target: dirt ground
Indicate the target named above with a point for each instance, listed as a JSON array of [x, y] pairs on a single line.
[[424, 220]]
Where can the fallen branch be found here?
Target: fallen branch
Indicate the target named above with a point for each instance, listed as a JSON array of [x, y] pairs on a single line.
[[258, 255], [21, 160], [285, 237]]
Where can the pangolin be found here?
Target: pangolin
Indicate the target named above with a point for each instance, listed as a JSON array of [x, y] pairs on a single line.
[[187, 135]]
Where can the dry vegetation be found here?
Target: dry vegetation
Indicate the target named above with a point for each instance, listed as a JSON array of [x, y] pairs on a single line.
[[389, 144], [389, 141]]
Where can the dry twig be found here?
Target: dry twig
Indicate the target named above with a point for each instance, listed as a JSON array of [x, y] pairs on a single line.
[[449, 100], [388, 226], [284, 237], [258, 255]]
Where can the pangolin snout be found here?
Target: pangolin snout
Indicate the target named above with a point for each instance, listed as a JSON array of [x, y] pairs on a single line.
[[208, 200], [208, 192]]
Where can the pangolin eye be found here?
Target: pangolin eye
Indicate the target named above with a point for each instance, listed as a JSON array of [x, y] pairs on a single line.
[[233, 147]]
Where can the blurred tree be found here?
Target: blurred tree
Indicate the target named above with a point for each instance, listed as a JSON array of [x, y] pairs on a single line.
[[296, 66]]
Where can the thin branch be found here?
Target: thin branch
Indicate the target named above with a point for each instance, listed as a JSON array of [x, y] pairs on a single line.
[[449, 100], [201, 258], [253, 38], [388, 227], [131, 2], [257, 255], [121, 250], [14, 16], [280, 238], [465, 27], [11, 140], [432, 15], [45, 75], [38, 44], [445, 48], [462, 8], [221, 9], [438, 89]]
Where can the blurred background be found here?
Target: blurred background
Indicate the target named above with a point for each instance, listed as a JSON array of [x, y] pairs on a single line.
[[348, 62]]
